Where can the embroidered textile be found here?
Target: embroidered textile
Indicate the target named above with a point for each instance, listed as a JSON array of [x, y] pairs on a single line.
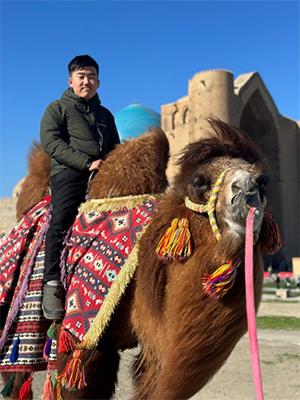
[[99, 247], [100, 259], [21, 281]]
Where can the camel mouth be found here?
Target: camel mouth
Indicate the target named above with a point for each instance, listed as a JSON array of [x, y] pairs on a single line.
[[238, 209], [242, 194]]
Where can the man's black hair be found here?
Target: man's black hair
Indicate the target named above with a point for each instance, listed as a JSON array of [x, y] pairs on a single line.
[[80, 62]]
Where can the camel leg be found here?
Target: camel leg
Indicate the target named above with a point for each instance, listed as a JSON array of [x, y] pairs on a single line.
[[144, 376], [101, 367], [193, 347], [178, 379], [191, 360]]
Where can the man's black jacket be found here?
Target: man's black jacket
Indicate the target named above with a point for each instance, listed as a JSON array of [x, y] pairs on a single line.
[[75, 132]]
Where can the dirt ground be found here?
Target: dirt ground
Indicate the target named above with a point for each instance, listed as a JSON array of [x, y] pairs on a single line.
[[280, 363]]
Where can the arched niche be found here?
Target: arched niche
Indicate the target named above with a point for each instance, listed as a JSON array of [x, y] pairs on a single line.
[[186, 116], [177, 118], [257, 120]]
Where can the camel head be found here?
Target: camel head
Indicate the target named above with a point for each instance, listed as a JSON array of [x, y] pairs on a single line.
[[243, 187], [224, 176]]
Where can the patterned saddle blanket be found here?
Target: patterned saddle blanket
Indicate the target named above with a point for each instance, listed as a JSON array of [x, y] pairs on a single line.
[[98, 262]]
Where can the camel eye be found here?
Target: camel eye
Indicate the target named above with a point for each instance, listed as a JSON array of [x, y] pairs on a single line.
[[201, 184], [262, 182]]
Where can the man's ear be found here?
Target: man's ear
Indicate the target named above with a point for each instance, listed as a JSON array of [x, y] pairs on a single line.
[[70, 83], [269, 237]]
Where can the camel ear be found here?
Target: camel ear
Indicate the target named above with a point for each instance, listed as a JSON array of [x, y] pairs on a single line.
[[269, 237]]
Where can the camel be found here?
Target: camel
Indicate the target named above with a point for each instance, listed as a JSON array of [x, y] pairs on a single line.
[[186, 329]]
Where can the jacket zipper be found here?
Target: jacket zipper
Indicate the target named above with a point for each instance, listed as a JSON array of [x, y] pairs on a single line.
[[97, 128]]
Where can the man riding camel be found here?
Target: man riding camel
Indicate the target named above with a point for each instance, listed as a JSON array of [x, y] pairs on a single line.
[[77, 132]]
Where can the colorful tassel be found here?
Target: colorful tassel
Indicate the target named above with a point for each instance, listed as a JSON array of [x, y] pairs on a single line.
[[7, 390], [66, 341], [73, 376], [48, 393], [57, 388], [176, 242], [219, 282], [47, 348], [15, 351], [52, 331], [25, 392]]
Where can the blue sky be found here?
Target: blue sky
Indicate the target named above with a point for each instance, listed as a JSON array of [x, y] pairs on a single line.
[[147, 51]]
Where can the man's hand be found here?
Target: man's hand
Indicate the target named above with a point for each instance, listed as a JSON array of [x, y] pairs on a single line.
[[96, 165]]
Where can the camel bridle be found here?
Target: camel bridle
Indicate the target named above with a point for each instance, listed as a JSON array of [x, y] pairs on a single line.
[[210, 206]]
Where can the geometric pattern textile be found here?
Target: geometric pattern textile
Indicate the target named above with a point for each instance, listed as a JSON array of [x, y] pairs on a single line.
[[99, 247], [99, 260], [21, 281], [15, 247]]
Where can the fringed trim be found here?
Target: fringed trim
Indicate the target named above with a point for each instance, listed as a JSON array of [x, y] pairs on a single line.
[[25, 392], [219, 282], [48, 393], [7, 390], [73, 376], [175, 244], [117, 289], [117, 203]]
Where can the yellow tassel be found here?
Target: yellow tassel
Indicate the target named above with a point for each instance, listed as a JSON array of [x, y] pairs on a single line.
[[164, 243], [176, 242], [58, 388]]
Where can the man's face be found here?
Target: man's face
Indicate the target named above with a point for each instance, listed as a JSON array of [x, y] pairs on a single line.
[[84, 82]]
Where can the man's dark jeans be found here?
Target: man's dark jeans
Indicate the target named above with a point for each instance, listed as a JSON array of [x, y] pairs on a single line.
[[68, 189]]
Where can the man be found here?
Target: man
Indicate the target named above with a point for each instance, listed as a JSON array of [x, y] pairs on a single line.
[[77, 133]]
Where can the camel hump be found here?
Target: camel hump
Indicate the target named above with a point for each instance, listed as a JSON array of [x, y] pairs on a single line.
[[136, 167], [36, 183]]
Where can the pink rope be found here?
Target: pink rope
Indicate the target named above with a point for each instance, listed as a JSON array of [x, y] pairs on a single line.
[[250, 306]]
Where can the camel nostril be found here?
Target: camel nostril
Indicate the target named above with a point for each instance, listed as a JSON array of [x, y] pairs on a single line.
[[233, 199], [252, 199]]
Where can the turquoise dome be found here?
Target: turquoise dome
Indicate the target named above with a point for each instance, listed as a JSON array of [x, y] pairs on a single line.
[[134, 120]]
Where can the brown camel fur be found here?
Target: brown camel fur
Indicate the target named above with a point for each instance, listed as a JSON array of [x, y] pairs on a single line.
[[36, 183], [185, 335]]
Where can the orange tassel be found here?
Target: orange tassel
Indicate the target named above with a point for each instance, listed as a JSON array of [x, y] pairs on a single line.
[[73, 376], [48, 388], [25, 392], [176, 242], [57, 389], [66, 342]]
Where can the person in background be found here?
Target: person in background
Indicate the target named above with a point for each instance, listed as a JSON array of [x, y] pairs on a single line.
[[277, 281], [77, 132]]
